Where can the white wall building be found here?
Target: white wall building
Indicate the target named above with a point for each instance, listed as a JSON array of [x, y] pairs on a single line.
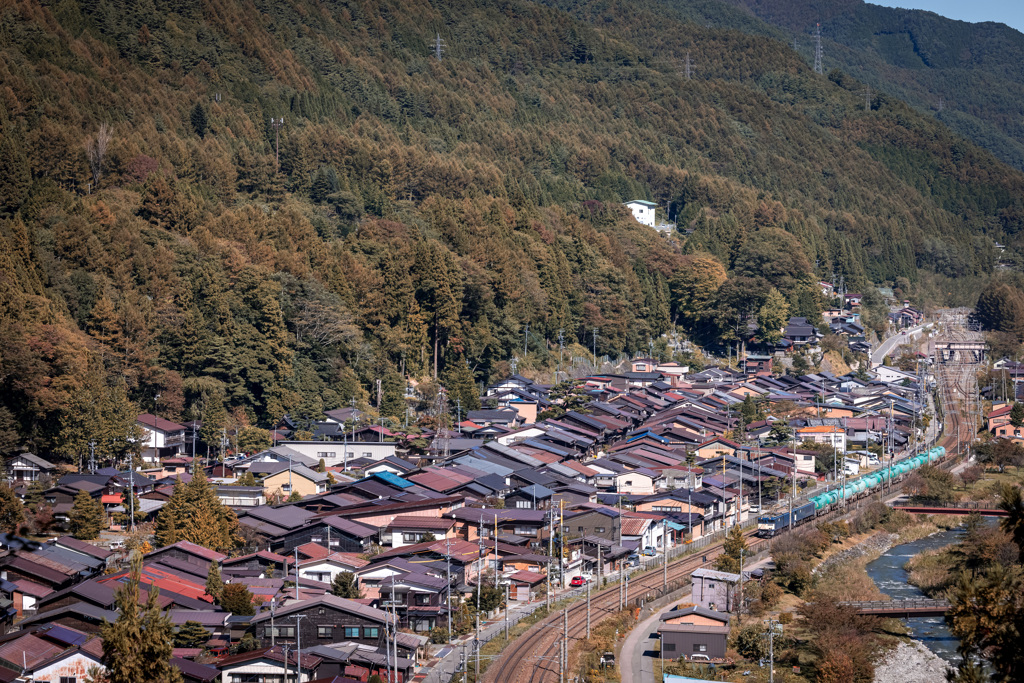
[[643, 211]]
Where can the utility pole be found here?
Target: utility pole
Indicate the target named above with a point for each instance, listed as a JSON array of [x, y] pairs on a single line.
[[273, 631], [92, 457], [794, 483], [773, 628], [526, 339], [561, 346], [448, 574], [595, 349], [565, 645], [298, 647], [817, 49], [276, 124], [664, 551], [588, 602], [551, 550], [297, 572]]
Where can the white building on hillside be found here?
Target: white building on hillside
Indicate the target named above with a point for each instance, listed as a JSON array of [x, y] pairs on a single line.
[[643, 211]]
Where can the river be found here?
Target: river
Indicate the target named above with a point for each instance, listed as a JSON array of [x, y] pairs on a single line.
[[888, 574]]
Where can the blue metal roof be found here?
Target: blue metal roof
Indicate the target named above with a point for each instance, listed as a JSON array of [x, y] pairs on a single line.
[[393, 479]]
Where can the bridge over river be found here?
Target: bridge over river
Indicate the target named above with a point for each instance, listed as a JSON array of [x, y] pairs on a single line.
[[902, 609], [986, 509]]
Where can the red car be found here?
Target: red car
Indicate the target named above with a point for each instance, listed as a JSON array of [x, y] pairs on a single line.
[[577, 581]]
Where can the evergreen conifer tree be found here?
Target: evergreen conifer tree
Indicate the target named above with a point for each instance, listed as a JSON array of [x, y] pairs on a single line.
[[194, 513], [214, 584], [198, 120], [86, 517], [191, 634], [138, 645], [344, 586], [167, 519], [1017, 414], [237, 599], [130, 502]]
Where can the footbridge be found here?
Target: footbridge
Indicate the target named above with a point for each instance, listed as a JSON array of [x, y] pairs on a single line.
[[902, 609], [972, 350]]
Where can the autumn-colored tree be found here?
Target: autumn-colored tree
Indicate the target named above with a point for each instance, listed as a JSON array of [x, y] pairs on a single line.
[[214, 584], [12, 511], [194, 513], [772, 317]]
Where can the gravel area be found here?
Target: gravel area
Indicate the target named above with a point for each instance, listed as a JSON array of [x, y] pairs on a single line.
[[877, 544], [911, 663]]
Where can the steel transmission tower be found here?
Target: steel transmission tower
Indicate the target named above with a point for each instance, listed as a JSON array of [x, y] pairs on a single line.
[[438, 47], [817, 49]]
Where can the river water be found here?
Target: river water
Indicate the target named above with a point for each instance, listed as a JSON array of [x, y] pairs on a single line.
[[888, 574]]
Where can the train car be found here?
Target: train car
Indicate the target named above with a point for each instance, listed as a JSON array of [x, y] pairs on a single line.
[[769, 525]]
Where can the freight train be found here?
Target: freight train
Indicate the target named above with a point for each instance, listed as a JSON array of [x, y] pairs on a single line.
[[769, 525]]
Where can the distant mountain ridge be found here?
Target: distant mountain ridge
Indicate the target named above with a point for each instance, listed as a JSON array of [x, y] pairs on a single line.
[[969, 76]]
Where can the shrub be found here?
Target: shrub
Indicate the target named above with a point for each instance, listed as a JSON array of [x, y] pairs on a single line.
[[786, 618], [771, 594], [439, 635]]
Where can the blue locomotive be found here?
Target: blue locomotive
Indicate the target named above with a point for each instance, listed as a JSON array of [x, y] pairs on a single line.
[[769, 525]]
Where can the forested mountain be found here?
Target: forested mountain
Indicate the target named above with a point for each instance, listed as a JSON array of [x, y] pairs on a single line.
[[969, 76], [424, 210]]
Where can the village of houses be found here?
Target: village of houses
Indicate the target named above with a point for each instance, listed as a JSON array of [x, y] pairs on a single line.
[[658, 459]]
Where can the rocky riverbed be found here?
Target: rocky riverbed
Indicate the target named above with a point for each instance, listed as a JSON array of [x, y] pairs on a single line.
[[911, 663], [875, 545]]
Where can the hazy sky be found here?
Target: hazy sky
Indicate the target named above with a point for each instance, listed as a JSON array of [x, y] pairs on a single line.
[[1009, 12]]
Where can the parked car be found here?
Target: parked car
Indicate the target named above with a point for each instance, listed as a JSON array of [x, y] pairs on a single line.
[[633, 560], [649, 551], [116, 545], [754, 509], [577, 581]]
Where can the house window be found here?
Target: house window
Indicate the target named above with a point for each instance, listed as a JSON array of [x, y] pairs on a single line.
[[700, 647], [423, 599], [670, 647], [599, 529], [351, 631], [411, 537], [579, 529], [283, 631], [565, 529], [324, 631], [68, 679], [711, 585], [371, 632], [629, 482], [523, 504], [368, 455]]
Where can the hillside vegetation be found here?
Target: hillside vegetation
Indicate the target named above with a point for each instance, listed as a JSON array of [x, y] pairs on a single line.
[[425, 211]]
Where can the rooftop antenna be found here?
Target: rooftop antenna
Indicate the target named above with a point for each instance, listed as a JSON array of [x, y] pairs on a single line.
[[438, 47], [817, 49]]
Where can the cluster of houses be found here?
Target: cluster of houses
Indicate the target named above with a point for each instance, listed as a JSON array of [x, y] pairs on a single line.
[[658, 457]]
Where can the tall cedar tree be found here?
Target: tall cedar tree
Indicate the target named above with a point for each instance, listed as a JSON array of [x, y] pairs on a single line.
[[138, 645], [12, 512], [214, 584], [344, 586], [1017, 415], [237, 599], [198, 120], [194, 513], [458, 380], [86, 517], [735, 543]]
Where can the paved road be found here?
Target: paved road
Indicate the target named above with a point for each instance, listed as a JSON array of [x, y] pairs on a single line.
[[636, 660], [879, 354]]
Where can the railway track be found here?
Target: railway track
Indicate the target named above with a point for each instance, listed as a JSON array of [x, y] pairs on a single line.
[[534, 657]]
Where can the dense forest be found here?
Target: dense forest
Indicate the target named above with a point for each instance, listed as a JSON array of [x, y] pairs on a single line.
[[227, 211], [969, 76]]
